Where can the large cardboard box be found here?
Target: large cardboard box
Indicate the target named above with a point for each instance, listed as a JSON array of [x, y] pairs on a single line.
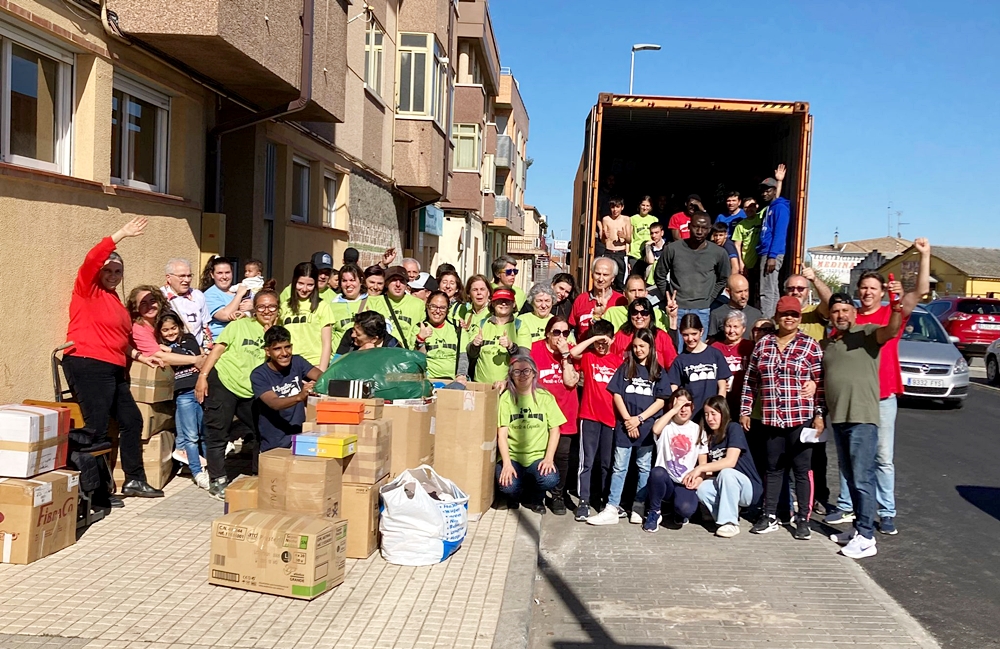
[[299, 485], [156, 417], [361, 509], [279, 554], [156, 460], [412, 436], [241, 494], [151, 385], [465, 442], [37, 515], [373, 453], [373, 407], [33, 440]]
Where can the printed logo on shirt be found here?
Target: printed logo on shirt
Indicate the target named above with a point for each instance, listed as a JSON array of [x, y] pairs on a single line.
[[525, 413], [640, 386], [298, 319], [289, 389], [701, 372], [602, 374], [249, 342], [552, 374]]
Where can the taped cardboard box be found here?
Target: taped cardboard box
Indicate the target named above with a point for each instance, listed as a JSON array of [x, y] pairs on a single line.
[[299, 485], [156, 460], [372, 410], [465, 437], [373, 454], [151, 385], [278, 554], [156, 417], [361, 509], [412, 436], [241, 494], [33, 440], [37, 515]]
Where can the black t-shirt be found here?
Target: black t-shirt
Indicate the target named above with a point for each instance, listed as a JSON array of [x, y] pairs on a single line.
[[276, 427], [185, 376], [735, 438], [638, 394]]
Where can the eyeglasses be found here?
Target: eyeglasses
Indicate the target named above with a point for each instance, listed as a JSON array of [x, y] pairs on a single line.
[[796, 289], [188, 276], [560, 332], [519, 373], [789, 314], [510, 271], [434, 307], [267, 307]]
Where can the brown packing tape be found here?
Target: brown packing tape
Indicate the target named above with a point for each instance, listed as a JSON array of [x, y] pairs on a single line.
[[27, 447]]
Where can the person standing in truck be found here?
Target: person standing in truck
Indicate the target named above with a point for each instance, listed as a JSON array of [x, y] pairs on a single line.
[[616, 233], [773, 238], [680, 222], [733, 213], [641, 224], [652, 251]]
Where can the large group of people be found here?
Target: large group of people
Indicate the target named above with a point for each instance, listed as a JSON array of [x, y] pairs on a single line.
[[661, 385]]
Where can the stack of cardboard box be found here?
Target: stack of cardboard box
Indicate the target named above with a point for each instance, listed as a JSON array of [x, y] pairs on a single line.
[[153, 391]]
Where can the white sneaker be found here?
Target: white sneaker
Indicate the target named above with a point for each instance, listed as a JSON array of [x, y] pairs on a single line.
[[202, 480], [843, 538], [230, 448], [180, 456], [607, 516], [859, 548], [728, 531], [638, 513]]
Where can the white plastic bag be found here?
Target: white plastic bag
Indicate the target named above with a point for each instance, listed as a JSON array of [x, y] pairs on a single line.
[[417, 528]]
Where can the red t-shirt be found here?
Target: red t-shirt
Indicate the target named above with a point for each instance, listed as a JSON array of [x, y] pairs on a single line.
[[582, 313], [889, 380], [738, 357], [550, 377], [597, 371], [680, 221], [99, 323], [665, 351]]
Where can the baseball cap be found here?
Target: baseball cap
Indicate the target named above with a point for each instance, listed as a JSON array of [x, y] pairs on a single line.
[[789, 303], [393, 272], [840, 298], [322, 261], [351, 256], [502, 294], [769, 182], [424, 281]]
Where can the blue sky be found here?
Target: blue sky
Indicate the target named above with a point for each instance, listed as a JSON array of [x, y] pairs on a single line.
[[905, 96]]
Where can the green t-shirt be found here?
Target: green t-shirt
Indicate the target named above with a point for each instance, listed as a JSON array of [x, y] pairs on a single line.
[[465, 313], [850, 376], [306, 328], [493, 359], [327, 294], [244, 341], [618, 316], [443, 350], [747, 232], [343, 312], [532, 329], [410, 312], [640, 233], [519, 296], [528, 422]]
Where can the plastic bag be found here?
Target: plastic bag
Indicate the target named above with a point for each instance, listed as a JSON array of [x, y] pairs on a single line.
[[396, 373], [424, 518]]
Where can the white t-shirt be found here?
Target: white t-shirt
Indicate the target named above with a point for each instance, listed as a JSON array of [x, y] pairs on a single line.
[[677, 449], [192, 308]]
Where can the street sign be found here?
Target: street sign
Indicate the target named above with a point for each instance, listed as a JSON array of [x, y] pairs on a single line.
[[562, 245]]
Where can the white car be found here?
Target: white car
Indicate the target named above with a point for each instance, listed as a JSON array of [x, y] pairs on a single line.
[[930, 364], [992, 359]]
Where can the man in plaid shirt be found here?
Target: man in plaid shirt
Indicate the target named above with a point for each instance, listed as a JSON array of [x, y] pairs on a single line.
[[780, 367]]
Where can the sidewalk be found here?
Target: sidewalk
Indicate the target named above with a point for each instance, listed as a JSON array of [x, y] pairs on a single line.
[[138, 580], [617, 586]]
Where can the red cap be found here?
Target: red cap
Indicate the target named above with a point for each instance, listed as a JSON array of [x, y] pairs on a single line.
[[789, 303], [502, 294]]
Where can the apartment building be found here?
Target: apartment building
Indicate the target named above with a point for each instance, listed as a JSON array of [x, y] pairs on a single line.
[[531, 249]]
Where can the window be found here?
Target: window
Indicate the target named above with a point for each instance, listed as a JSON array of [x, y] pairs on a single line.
[[300, 190], [466, 140], [36, 102], [330, 201], [423, 76], [374, 49], [139, 119]]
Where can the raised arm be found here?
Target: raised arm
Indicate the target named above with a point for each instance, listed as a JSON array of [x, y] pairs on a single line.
[[822, 290], [912, 298]]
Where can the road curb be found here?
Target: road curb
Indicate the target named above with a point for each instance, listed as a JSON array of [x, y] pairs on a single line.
[[519, 587]]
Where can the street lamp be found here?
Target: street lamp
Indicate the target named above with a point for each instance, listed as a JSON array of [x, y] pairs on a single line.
[[639, 47]]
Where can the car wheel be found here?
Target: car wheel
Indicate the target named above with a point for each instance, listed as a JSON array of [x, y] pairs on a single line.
[[992, 371]]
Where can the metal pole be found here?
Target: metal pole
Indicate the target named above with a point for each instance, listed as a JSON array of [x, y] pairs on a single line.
[[631, 73]]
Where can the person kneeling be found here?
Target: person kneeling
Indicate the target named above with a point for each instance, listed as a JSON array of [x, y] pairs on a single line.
[[527, 437], [677, 452]]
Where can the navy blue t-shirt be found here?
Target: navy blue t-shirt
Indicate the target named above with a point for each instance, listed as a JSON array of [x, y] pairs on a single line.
[[638, 394], [276, 427], [735, 438], [699, 374], [185, 376], [730, 249]]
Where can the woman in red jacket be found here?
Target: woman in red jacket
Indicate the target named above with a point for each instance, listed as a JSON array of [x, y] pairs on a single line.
[[99, 326]]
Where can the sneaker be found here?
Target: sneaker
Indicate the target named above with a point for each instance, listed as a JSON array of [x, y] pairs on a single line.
[[202, 480], [217, 489], [652, 522], [230, 448], [802, 531], [765, 525], [681, 521], [608, 516], [819, 508], [559, 507], [887, 526], [621, 512], [582, 513], [180, 456], [728, 531], [839, 517], [538, 508], [859, 548], [843, 538]]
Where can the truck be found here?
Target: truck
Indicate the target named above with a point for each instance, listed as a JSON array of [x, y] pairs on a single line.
[[677, 146]]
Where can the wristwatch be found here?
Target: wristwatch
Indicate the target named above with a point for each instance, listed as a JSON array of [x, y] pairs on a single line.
[[639, 417]]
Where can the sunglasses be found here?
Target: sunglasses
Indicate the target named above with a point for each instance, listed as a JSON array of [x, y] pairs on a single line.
[[641, 313], [510, 271], [789, 314], [764, 329], [560, 332], [796, 289]]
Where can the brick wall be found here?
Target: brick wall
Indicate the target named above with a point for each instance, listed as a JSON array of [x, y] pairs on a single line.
[[376, 218]]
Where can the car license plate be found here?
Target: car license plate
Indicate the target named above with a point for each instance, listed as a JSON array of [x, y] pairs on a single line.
[[925, 383], [989, 326]]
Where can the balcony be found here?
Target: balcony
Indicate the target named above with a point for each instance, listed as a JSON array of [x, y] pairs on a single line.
[[529, 246], [507, 217], [505, 152], [501, 208]]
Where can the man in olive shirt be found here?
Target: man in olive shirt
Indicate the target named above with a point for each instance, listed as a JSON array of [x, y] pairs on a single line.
[[851, 382]]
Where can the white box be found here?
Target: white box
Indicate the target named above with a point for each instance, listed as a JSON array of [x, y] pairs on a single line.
[[30, 443]]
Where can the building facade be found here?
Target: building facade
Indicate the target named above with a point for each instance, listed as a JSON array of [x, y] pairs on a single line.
[[837, 260], [955, 270], [531, 250]]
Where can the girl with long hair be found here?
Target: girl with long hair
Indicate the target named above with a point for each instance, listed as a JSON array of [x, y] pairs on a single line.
[[564, 286], [677, 452], [700, 369], [308, 318]]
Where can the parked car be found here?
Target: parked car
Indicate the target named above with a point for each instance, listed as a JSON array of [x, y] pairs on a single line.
[[975, 321], [930, 363], [993, 363]]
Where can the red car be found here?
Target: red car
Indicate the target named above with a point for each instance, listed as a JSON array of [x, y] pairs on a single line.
[[975, 321]]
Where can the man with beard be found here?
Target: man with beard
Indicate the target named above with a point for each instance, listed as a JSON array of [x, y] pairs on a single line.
[[739, 300]]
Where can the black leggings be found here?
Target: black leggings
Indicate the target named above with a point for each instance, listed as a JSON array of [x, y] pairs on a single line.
[[565, 453], [785, 451], [103, 392], [220, 407]]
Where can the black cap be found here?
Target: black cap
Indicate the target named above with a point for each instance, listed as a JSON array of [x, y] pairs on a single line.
[[840, 298], [351, 256], [322, 261], [693, 197]]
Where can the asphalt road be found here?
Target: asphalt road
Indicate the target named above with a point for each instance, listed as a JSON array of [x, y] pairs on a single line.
[[944, 565]]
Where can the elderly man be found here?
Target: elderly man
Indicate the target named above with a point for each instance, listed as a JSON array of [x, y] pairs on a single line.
[[189, 303], [851, 380], [594, 303], [412, 267], [504, 275], [739, 298]]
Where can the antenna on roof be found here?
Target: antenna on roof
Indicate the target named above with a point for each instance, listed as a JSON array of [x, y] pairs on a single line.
[[899, 224], [888, 220]]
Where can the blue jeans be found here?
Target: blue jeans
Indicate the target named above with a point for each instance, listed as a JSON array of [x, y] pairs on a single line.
[[724, 494], [528, 480], [703, 315], [885, 471], [643, 459], [188, 419], [856, 448]]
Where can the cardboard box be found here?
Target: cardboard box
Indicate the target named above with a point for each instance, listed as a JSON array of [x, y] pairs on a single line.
[[156, 460], [361, 509], [373, 407], [151, 385], [333, 411], [465, 442], [156, 417], [37, 515], [33, 440], [316, 444], [372, 458], [299, 485], [241, 494], [412, 436], [279, 554]]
